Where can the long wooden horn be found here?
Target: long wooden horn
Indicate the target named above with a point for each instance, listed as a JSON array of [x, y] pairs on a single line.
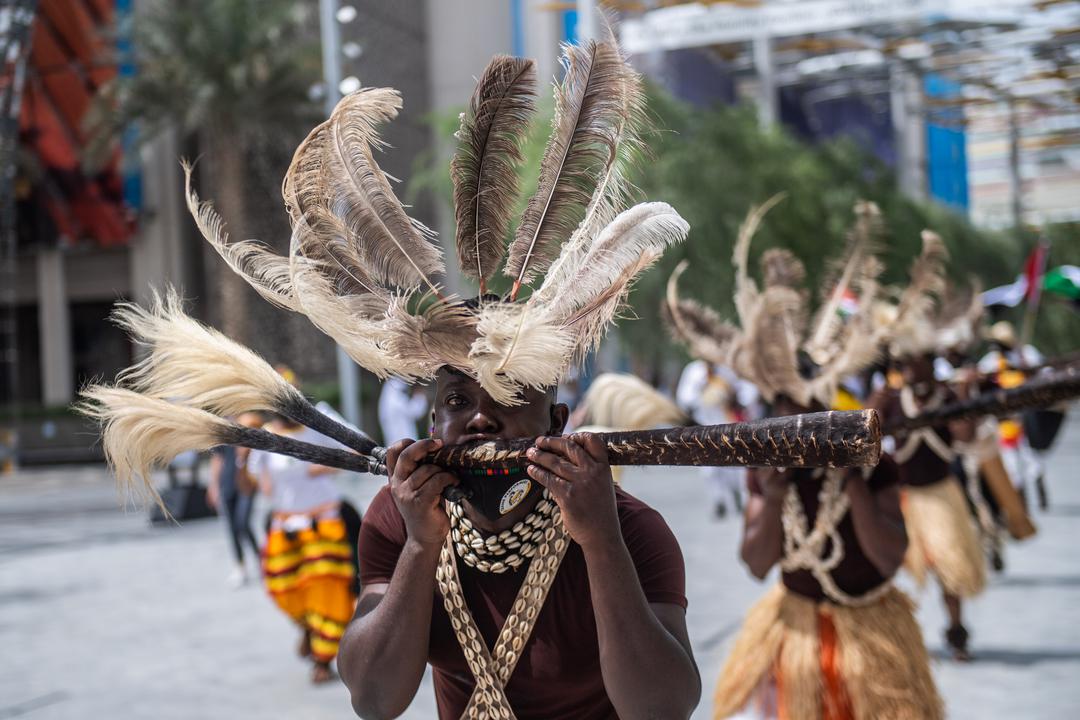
[[1043, 391]]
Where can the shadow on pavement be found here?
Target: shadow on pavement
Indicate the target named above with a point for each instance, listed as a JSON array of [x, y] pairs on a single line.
[[1062, 510], [1017, 658], [1031, 581]]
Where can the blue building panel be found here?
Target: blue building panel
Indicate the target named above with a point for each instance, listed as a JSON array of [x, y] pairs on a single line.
[[946, 146]]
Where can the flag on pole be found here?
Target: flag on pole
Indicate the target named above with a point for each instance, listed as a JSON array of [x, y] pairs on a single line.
[[1034, 269], [1008, 295], [1063, 280]]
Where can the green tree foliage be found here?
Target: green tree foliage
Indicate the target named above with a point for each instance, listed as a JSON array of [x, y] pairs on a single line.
[[713, 164], [234, 76]]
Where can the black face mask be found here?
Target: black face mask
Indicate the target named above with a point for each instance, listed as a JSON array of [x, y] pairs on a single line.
[[496, 495]]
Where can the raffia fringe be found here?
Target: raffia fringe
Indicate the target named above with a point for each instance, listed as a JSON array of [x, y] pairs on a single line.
[[942, 538], [882, 658]]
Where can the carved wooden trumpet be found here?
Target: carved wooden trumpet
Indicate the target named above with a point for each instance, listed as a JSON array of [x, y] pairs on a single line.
[[1039, 392], [825, 439]]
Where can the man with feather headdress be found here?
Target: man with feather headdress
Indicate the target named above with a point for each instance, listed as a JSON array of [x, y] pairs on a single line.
[[941, 531], [536, 592], [562, 596], [834, 639]]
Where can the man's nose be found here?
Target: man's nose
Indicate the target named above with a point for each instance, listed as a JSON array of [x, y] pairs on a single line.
[[482, 422]]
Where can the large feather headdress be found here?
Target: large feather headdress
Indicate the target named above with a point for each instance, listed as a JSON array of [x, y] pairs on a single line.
[[370, 277], [913, 320], [775, 336]]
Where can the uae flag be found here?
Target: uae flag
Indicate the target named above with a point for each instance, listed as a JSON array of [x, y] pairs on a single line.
[[1063, 280]]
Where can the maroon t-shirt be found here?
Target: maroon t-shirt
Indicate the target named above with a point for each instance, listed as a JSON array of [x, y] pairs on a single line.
[[558, 674], [855, 574]]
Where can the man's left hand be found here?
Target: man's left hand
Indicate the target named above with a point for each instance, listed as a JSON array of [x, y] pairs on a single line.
[[576, 472]]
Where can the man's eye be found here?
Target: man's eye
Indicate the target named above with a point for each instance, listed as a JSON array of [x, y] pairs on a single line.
[[455, 401]]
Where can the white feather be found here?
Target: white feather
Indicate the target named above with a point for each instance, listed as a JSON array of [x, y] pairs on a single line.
[[140, 433]]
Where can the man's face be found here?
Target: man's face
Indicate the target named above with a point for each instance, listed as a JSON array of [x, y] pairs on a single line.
[[464, 412], [919, 370]]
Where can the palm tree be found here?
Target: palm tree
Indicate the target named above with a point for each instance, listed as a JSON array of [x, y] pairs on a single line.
[[224, 72]]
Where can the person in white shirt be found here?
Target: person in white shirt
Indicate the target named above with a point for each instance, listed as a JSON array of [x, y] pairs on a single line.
[[709, 398], [399, 410]]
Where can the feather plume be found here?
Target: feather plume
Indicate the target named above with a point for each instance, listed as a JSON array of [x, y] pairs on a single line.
[[613, 190], [772, 342], [441, 334], [700, 328], [589, 301], [959, 318], [626, 402], [780, 268], [355, 322], [344, 196], [647, 229], [196, 365], [590, 111], [484, 168], [518, 348], [745, 288], [318, 233], [397, 249], [140, 433], [263, 269], [912, 331], [863, 241], [926, 280]]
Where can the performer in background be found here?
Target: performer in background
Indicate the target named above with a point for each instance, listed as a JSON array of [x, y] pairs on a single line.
[[308, 559], [710, 399], [1007, 364], [231, 492], [941, 531], [835, 638]]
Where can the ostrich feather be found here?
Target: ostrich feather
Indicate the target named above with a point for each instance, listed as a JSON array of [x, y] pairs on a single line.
[[647, 229], [263, 269], [355, 322], [863, 241], [338, 185], [771, 342], [613, 190], [518, 347], [196, 365], [141, 432], [912, 331], [441, 334], [590, 110], [626, 402], [484, 168], [700, 328], [780, 268], [746, 290], [318, 233]]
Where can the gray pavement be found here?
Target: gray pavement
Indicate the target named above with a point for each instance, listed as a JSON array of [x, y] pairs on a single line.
[[104, 616]]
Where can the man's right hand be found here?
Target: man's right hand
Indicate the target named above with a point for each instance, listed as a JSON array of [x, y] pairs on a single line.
[[775, 483], [417, 490]]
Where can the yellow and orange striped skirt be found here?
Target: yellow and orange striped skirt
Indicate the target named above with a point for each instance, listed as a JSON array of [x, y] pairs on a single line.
[[309, 574]]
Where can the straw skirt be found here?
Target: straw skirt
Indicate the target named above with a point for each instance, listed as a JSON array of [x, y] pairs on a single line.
[[798, 659], [942, 538]]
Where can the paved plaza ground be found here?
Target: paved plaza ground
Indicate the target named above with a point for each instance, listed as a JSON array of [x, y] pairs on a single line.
[[104, 616]]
